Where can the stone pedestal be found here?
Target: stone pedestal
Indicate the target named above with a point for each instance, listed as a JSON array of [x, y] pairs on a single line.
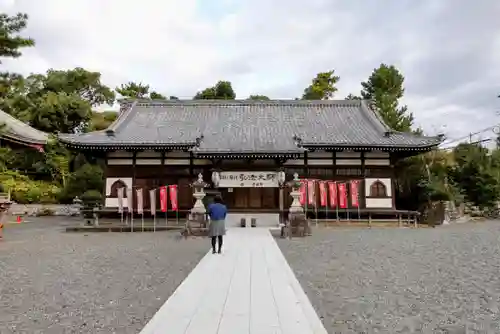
[[196, 223], [297, 221], [295, 207]]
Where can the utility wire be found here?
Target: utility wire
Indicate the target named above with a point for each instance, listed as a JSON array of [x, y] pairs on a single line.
[[468, 136]]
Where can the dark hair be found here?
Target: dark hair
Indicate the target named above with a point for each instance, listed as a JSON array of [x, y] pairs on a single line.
[[218, 199]]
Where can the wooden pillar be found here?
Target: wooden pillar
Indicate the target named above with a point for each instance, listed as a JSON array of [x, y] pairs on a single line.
[[191, 164], [306, 165], [334, 167], [134, 158]]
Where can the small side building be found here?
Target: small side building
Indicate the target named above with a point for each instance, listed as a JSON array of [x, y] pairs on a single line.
[[155, 143], [17, 134]]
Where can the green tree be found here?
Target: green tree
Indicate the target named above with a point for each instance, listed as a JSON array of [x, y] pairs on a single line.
[[352, 97], [323, 86], [157, 96], [11, 43], [57, 161], [258, 98], [87, 177], [87, 85], [475, 174], [10, 40], [59, 101], [223, 90], [140, 91], [385, 87], [133, 90], [101, 120]]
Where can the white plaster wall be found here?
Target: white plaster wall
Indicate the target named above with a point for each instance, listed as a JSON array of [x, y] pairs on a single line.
[[377, 162], [120, 161], [148, 162], [113, 203], [294, 162], [111, 180], [379, 202], [320, 162], [386, 181], [176, 161], [345, 162]]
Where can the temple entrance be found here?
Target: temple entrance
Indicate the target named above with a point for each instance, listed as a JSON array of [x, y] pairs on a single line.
[[251, 198]]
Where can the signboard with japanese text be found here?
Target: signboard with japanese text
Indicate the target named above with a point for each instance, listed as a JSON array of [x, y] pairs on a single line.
[[248, 179]]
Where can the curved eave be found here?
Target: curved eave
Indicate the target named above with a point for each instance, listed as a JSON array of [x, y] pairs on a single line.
[[384, 148], [22, 140], [228, 155], [128, 147]]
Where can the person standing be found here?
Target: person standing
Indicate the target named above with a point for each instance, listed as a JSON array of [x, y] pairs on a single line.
[[217, 212]]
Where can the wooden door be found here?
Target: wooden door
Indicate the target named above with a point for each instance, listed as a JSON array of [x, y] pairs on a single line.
[[255, 198], [240, 198], [270, 198]]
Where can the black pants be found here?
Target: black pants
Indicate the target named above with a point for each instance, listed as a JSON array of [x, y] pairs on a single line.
[[214, 242]]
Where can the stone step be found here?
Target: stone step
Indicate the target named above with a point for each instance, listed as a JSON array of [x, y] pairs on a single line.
[[263, 219]]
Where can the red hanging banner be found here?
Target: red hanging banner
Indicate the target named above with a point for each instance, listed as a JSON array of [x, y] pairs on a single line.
[[163, 199], [342, 196], [311, 190], [172, 189], [322, 193], [355, 193], [303, 191], [332, 189]]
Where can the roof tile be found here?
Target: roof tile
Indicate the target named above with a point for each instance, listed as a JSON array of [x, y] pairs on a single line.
[[250, 126]]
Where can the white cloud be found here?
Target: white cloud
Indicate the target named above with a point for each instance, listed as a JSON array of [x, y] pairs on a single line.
[[448, 50]]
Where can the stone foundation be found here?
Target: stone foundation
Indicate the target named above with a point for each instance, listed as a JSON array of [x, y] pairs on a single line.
[[43, 210]]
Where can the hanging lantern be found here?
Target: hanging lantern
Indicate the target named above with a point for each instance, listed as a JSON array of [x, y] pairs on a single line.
[[215, 178], [281, 178]]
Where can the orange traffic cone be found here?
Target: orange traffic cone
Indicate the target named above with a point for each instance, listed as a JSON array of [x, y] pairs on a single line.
[[18, 219]]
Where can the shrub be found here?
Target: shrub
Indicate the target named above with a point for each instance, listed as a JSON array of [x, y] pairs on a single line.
[[87, 177], [23, 190], [92, 197]]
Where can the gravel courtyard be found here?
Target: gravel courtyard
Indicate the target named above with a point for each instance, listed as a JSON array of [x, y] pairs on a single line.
[[390, 280], [57, 282]]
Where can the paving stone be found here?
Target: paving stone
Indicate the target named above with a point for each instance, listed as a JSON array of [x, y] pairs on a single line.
[[57, 282], [442, 280]]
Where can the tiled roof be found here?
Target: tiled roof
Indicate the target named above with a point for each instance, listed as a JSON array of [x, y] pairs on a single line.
[[249, 126], [19, 131]]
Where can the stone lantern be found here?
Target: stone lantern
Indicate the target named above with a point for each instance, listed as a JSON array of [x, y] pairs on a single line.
[[297, 220], [197, 214], [295, 207], [199, 185]]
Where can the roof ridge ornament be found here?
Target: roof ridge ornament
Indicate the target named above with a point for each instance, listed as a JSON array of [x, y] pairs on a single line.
[[297, 140], [198, 140]]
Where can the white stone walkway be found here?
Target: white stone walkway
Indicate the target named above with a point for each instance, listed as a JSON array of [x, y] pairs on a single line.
[[250, 288]]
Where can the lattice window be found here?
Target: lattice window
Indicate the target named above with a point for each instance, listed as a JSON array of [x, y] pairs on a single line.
[[378, 189]]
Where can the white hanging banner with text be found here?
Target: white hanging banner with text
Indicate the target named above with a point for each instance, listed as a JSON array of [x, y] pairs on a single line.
[[248, 179]]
